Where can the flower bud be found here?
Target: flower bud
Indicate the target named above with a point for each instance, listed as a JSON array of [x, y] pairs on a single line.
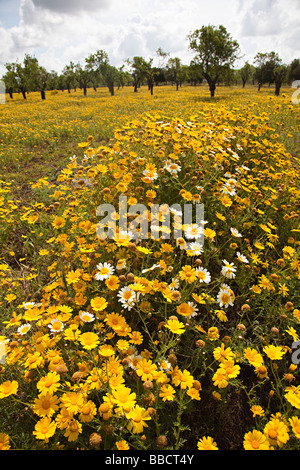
[[148, 385], [162, 441], [95, 439], [62, 369], [274, 330]]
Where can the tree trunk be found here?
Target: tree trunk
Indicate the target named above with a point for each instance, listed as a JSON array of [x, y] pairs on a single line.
[[23, 94], [244, 82], [212, 84], [111, 88], [84, 90], [277, 87], [212, 87], [43, 94]]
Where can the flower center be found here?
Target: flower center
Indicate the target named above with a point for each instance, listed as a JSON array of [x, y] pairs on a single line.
[[56, 325], [255, 445], [127, 295], [225, 298], [46, 404], [273, 434], [104, 271], [48, 382]]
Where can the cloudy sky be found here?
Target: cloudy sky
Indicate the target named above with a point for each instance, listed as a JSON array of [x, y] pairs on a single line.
[[58, 31]]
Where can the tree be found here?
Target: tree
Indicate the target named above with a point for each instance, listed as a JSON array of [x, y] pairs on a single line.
[[264, 67], [176, 72], [10, 79], [18, 78], [29, 76], [69, 74], [216, 52], [122, 77], [141, 69], [150, 74], [227, 76], [293, 71], [246, 73], [52, 82], [279, 73], [162, 56], [37, 76], [195, 73], [41, 77], [83, 76], [137, 70], [98, 63], [269, 69]]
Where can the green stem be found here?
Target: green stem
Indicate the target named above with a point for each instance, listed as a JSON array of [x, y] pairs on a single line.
[[178, 424]]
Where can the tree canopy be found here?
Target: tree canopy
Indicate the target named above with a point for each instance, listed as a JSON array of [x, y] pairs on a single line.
[[216, 53]]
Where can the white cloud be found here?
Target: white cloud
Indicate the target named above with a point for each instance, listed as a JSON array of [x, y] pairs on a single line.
[[71, 6], [262, 18], [58, 31], [270, 25]]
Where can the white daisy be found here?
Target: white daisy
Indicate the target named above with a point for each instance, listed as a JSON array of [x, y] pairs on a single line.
[[225, 296], [165, 365], [235, 233], [241, 258], [121, 264], [231, 181], [56, 325], [181, 243], [151, 175], [228, 270], [105, 270], [194, 308], [28, 305], [228, 189], [172, 167], [134, 360], [125, 235], [193, 232], [146, 270], [203, 275], [86, 317], [196, 248], [23, 329], [127, 297], [176, 212], [174, 284]]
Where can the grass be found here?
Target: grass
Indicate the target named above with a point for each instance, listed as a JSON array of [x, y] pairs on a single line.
[[38, 137], [204, 350]]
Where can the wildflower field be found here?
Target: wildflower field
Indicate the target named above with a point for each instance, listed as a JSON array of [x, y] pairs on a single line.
[[156, 342]]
